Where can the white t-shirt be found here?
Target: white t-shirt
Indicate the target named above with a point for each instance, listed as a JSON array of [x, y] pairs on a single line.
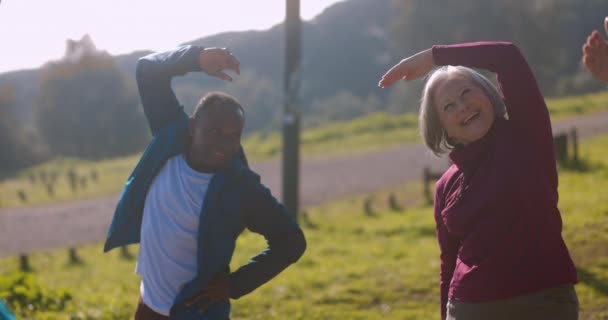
[[169, 233]]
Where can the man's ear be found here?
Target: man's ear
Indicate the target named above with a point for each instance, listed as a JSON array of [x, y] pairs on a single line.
[[191, 125]]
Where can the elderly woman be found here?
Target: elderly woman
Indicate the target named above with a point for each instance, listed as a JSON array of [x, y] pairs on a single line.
[[498, 225]]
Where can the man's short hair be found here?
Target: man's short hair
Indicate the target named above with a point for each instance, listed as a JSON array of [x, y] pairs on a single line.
[[214, 100]]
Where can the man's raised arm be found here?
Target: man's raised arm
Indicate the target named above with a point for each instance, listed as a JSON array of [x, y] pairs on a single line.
[[154, 73]]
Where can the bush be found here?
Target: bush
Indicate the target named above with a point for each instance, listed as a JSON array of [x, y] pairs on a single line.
[[24, 296]]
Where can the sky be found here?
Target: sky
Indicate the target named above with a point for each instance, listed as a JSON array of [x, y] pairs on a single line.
[[34, 31]]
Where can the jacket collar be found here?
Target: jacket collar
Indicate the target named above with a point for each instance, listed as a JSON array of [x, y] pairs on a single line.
[[469, 156]]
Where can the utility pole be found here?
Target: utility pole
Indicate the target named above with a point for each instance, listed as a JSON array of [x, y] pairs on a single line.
[[291, 115]]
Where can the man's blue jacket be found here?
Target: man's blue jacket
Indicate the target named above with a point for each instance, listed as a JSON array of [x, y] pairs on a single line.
[[4, 313], [235, 198]]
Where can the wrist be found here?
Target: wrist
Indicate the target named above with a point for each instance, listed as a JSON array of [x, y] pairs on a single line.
[[232, 287], [429, 58], [191, 56], [205, 64]]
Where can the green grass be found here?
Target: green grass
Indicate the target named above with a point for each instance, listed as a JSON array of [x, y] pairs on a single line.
[[357, 266], [585, 214], [111, 175], [379, 130], [565, 107], [372, 132]]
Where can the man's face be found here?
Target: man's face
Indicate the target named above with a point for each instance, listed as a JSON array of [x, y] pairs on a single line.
[[216, 137]]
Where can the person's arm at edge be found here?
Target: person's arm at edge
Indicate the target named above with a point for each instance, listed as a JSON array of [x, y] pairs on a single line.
[[154, 73], [595, 54]]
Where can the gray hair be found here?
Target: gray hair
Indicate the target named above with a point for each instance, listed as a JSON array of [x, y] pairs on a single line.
[[433, 134]]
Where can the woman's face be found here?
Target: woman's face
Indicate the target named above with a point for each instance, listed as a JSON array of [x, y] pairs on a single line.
[[464, 109]]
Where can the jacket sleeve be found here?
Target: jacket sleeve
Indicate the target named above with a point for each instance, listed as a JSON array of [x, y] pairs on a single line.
[[448, 247], [263, 214], [525, 104], [154, 73]]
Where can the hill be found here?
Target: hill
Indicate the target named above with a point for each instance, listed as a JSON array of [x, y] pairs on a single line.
[[356, 29]]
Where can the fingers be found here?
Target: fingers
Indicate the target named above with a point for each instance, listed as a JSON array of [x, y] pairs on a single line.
[[588, 49], [398, 73], [589, 61], [596, 39], [385, 83], [606, 25], [593, 40], [234, 64], [221, 75], [196, 299], [209, 299], [214, 61], [391, 76], [229, 61], [593, 44], [205, 306], [409, 68]]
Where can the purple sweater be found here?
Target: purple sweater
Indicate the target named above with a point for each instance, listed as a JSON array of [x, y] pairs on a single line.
[[498, 225]]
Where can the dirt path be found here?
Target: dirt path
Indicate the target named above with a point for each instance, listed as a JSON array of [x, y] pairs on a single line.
[[322, 179]]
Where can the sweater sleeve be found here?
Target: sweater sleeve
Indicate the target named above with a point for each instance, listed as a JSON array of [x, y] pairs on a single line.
[[525, 104], [448, 247], [264, 215], [154, 73]]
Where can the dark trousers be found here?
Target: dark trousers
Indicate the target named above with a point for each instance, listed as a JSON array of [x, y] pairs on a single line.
[[145, 313], [560, 303]]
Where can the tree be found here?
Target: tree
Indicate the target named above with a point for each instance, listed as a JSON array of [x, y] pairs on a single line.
[[546, 31], [19, 147], [343, 105], [86, 107], [7, 133]]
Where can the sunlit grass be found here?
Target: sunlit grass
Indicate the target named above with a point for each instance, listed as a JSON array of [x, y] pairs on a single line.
[[570, 106], [111, 175], [584, 208]]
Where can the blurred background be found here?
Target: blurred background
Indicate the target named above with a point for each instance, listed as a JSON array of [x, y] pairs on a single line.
[[77, 97], [72, 128]]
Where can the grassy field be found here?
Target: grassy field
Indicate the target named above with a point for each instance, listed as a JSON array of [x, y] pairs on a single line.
[[357, 266], [375, 131]]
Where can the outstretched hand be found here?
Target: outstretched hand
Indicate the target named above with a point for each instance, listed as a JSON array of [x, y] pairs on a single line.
[[410, 68], [214, 61], [595, 54], [216, 291]]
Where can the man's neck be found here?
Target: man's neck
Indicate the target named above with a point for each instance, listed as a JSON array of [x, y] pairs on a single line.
[[198, 165]]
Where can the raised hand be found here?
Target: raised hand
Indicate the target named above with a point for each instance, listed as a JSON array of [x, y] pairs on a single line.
[[595, 54], [217, 290], [410, 68], [214, 61]]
